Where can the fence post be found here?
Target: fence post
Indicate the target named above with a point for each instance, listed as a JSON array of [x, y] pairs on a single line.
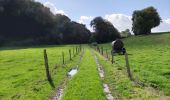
[[47, 66], [106, 54], [63, 57], [102, 50], [80, 47], [73, 51], [70, 53], [112, 56], [98, 48], [128, 66], [76, 49]]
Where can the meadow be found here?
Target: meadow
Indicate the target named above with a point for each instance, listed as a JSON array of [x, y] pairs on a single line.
[[22, 71], [23, 77], [149, 61]]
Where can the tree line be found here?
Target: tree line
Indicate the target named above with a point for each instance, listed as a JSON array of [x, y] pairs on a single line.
[[26, 22]]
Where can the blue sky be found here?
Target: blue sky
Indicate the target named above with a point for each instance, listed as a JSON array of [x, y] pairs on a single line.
[[85, 10]]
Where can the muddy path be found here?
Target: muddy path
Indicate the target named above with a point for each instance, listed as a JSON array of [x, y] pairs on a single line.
[[106, 88], [57, 95]]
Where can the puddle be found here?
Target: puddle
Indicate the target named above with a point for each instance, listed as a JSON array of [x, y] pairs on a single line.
[[60, 91], [73, 71]]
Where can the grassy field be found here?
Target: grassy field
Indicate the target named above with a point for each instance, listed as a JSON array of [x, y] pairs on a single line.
[[22, 71], [120, 85], [149, 58]]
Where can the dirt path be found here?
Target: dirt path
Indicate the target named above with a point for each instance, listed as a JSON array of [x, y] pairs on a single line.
[[101, 74], [60, 90]]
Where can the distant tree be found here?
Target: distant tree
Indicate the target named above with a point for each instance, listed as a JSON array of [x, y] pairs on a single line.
[[92, 37], [125, 33], [144, 20], [104, 30], [74, 32]]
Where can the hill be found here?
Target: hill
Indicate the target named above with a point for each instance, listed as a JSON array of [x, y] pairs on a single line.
[[149, 60]]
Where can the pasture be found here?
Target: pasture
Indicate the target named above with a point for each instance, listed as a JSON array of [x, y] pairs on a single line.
[[23, 77], [149, 60], [22, 71]]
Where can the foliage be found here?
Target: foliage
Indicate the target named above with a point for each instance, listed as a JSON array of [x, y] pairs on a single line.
[[125, 34], [26, 22], [104, 30], [144, 20]]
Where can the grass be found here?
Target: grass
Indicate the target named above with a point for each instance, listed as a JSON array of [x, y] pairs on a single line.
[[86, 84], [120, 85], [149, 59], [22, 73]]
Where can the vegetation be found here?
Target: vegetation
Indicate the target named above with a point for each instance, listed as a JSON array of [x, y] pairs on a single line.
[[120, 85], [26, 22], [104, 30], [22, 71], [144, 20], [149, 60], [125, 34], [86, 84]]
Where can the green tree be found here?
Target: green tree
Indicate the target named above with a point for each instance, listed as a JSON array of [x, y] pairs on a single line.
[[144, 20], [26, 22], [104, 30], [125, 33]]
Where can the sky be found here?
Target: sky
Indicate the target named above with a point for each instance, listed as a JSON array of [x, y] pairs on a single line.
[[118, 12]]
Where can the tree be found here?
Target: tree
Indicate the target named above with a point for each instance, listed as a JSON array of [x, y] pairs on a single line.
[[125, 33], [26, 22], [104, 30], [144, 20]]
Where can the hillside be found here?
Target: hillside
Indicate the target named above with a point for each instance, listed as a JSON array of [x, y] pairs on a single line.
[[149, 60], [22, 71]]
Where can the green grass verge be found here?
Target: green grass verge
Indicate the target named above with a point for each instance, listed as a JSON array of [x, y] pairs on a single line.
[[86, 84]]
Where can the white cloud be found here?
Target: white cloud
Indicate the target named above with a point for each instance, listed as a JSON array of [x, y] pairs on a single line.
[[86, 20], [120, 21], [167, 21], [163, 27], [53, 9]]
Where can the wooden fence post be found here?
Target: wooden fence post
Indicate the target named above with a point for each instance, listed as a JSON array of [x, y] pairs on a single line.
[[98, 48], [70, 53], [80, 47], [47, 66], [102, 50], [76, 49], [63, 57], [73, 51], [106, 54], [128, 66], [112, 56]]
